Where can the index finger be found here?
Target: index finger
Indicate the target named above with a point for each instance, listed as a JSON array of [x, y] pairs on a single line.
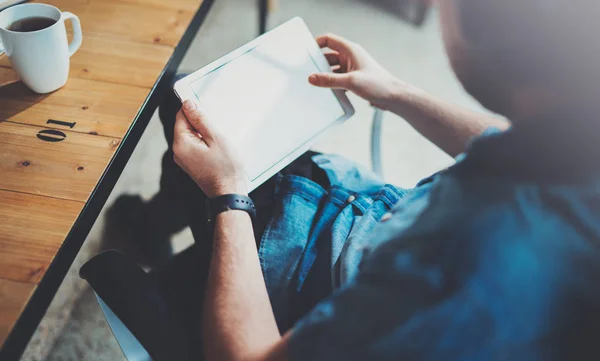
[[334, 42]]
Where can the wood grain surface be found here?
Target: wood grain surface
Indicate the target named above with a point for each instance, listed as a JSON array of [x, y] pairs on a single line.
[[96, 108], [13, 297], [150, 22], [116, 61], [55, 147], [34, 230], [67, 169], [7, 76]]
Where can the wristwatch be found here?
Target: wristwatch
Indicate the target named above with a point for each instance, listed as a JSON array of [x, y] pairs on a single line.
[[229, 202]]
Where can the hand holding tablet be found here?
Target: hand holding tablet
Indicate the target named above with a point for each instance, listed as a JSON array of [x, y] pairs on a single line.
[[260, 99]]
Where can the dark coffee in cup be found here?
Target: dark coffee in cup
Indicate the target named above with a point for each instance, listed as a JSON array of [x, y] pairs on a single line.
[[33, 23]]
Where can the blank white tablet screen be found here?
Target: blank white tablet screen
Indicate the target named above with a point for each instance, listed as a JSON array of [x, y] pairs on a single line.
[[262, 102]]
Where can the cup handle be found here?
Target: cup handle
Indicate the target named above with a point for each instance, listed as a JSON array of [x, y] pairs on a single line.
[[77, 35]]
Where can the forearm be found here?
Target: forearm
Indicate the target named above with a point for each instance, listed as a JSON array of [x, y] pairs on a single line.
[[447, 125], [238, 322]]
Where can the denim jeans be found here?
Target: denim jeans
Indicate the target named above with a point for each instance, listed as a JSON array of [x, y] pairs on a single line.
[[306, 215], [310, 226]]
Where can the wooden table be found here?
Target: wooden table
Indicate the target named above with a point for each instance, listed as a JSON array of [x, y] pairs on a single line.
[[62, 153]]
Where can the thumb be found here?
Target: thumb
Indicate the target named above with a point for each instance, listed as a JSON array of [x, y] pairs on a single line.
[[197, 119], [330, 80]]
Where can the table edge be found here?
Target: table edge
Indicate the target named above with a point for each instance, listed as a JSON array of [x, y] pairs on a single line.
[[24, 328]]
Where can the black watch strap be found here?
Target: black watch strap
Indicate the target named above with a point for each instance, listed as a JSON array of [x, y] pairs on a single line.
[[229, 202]]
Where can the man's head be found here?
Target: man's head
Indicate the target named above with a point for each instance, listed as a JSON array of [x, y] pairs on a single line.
[[523, 57]]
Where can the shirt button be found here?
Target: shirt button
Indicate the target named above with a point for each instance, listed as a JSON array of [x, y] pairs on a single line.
[[351, 199], [386, 217]]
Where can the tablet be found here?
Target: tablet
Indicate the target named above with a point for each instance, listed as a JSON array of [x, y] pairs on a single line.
[[259, 98]]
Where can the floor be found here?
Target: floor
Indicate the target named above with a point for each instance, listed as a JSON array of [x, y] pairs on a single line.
[[74, 328]]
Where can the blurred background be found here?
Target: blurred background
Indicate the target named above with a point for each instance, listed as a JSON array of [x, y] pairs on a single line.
[[74, 327]]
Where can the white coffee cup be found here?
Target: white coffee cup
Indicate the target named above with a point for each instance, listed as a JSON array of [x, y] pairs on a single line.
[[41, 58]]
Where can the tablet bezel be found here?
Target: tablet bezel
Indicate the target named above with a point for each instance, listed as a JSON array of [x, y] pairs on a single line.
[[298, 27]]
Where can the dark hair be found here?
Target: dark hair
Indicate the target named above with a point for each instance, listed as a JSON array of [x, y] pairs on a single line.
[[545, 42]]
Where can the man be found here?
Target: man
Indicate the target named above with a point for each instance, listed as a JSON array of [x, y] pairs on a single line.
[[497, 257]]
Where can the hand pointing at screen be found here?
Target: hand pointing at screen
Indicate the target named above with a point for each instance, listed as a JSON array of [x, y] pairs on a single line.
[[355, 70], [447, 125]]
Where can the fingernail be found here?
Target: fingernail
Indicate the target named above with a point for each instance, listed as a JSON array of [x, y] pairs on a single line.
[[189, 105], [312, 78]]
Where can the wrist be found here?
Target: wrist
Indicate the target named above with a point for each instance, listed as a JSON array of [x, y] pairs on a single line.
[[402, 97], [233, 214], [393, 91], [234, 187], [229, 202]]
